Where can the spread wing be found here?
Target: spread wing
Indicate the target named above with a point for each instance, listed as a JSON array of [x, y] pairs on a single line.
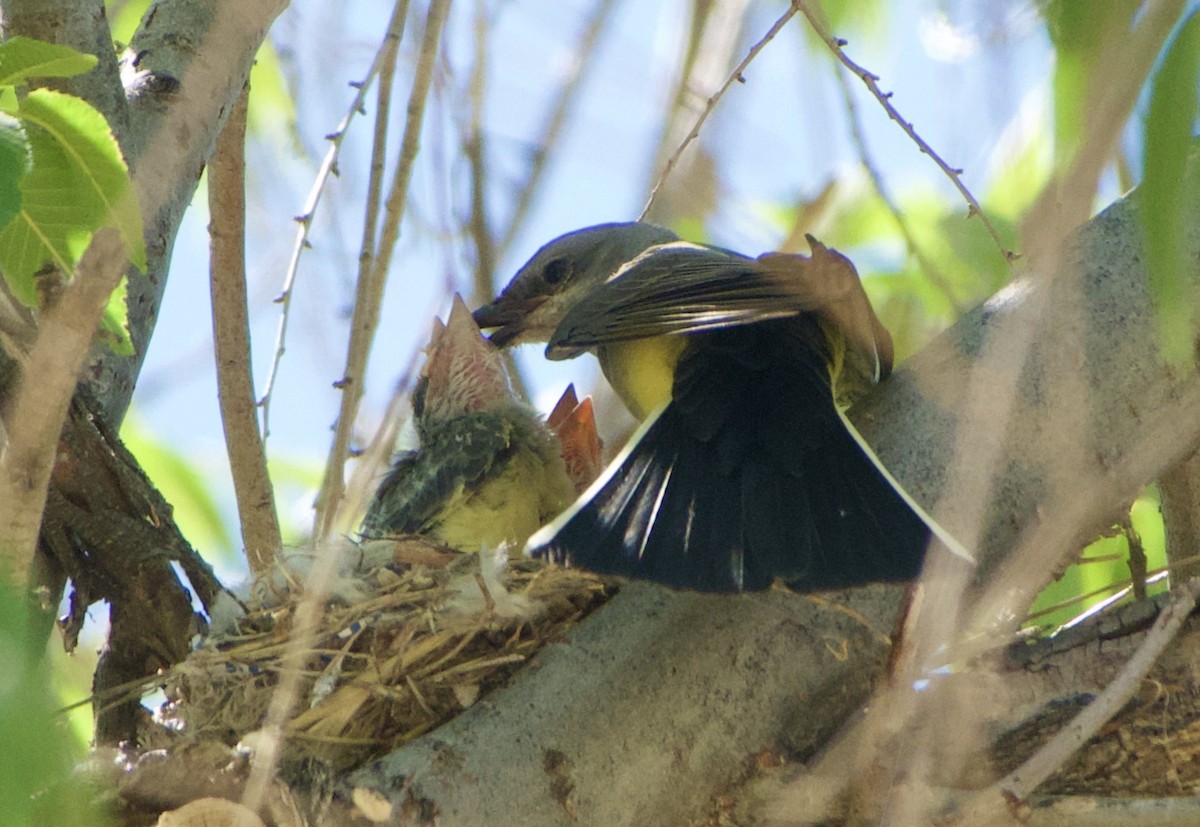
[[746, 476], [680, 287]]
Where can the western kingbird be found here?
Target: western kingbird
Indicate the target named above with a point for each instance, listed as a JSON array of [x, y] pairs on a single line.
[[743, 469], [487, 470]]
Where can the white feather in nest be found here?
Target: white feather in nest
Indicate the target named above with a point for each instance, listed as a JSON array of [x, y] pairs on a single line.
[[348, 582], [476, 592]]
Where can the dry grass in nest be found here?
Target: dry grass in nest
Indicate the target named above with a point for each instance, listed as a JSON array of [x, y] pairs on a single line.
[[420, 643]]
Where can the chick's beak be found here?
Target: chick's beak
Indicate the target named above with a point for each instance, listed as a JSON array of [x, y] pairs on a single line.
[[506, 317]]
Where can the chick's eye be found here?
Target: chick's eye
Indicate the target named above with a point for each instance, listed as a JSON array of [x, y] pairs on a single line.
[[555, 271]]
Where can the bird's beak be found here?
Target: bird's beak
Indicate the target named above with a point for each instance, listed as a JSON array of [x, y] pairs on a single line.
[[507, 317]]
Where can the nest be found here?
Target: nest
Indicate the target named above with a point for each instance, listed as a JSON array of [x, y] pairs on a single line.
[[418, 643]]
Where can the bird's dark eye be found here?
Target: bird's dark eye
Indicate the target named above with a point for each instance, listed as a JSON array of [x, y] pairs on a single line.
[[555, 271]]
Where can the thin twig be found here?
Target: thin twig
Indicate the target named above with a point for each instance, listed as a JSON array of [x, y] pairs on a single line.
[[476, 155], [231, 343], [328, 167], [375, 456], [931, 270], [871, 81], [711, 104], [369, 294], [1021, 782]]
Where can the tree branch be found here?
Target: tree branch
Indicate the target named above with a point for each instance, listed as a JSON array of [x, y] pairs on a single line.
[[231, 341]]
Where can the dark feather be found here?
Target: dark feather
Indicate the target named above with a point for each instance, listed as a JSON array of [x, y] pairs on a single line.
[[461, 453], [747, 476], [680, 288]]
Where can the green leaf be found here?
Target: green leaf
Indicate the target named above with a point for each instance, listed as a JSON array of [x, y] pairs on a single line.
[[114, 324], [22, 58], [14, 164], [1167, 137], [125, 21], [37, 782], [1081, 32], [1026, 158], [183, 482], [78, 184], [272, 109]]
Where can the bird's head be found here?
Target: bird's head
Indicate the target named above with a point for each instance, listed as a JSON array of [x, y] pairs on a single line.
[[559, 274], [463, 373]]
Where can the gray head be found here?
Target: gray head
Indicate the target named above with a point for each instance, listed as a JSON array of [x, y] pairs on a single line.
[[539, 295]]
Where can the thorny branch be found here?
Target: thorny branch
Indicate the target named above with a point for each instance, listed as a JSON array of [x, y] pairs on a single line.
[[385, 56], [836, 45]]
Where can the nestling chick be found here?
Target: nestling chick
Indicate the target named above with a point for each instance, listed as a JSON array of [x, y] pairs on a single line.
[[487, 470]]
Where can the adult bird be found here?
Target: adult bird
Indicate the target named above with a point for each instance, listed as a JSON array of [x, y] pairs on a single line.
[[487, 470], [744, 469]]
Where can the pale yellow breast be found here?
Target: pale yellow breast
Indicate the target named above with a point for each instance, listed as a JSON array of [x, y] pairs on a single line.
[[642, 372], [531, 490]]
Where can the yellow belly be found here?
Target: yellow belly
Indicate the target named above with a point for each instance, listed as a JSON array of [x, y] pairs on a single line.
[[642, 372], [532, 489]]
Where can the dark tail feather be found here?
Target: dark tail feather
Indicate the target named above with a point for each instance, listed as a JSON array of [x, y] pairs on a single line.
[[674, 510]]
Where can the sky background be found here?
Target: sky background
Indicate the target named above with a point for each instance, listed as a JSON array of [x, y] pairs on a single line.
[[972, 76]]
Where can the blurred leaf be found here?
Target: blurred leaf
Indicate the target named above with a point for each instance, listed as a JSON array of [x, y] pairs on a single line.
[[78, 183], [22, 58], [1166, 143], [861, 220], [186, 488], [114, 324], [1092, 574], [36, 785], [272, 108], [852, 20], [968, 241], [1015, 185], [126, 18], [15, 159], [1080, 32]]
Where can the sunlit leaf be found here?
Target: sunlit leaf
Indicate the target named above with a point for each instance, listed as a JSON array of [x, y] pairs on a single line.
[[114, 324], [1167, 141], [14, 164], [77, 184], [127, 19], [22, 58], [1094, 573]]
